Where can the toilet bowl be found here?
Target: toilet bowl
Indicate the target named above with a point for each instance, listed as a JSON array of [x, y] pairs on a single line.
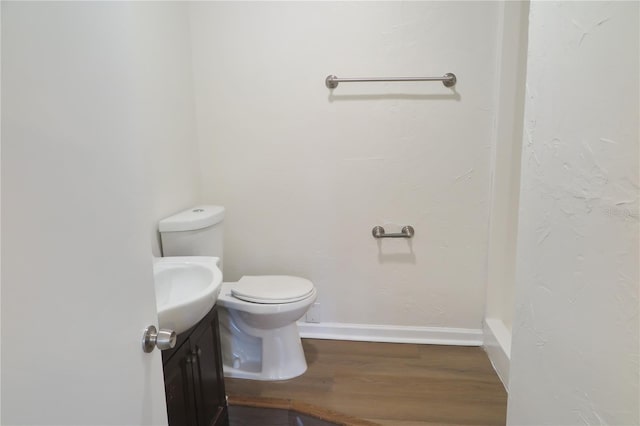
[[258, 331], [257, 314]]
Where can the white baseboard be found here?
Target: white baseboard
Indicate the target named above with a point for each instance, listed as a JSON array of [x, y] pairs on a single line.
[[392, 334], [497, 344]]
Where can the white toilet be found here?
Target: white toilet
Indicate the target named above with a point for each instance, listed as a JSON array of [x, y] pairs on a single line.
[[258, 314]]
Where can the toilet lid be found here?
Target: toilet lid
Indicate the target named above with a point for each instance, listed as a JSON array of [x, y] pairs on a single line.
[[272, 289]]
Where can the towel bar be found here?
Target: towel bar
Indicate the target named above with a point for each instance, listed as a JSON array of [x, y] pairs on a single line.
[[449, 80]]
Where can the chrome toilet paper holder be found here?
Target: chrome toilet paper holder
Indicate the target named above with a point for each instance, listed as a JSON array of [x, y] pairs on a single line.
[[406, 232]]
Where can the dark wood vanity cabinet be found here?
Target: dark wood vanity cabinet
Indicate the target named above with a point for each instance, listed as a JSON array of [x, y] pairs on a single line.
[[178, 385], [193, 378]]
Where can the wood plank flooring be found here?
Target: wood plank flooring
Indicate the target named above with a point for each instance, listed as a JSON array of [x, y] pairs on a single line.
[[392, 384], [253, 416], [297, 411]]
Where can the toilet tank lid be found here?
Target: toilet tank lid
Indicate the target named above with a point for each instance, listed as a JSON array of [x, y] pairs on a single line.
[[194, 218]]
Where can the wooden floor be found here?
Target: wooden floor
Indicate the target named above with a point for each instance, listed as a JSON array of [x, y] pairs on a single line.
[[256, 416], [392, 384]]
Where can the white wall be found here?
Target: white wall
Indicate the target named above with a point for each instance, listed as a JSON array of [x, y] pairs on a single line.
[[575, 336], [305, 173], [0, 216], [167, 81], [505, 190]]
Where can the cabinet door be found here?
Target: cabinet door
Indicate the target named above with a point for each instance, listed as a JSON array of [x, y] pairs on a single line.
[[210, 393], [179, 385]]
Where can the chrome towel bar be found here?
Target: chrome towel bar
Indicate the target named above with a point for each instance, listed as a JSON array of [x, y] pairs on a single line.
[[449, 80], [405, 232]]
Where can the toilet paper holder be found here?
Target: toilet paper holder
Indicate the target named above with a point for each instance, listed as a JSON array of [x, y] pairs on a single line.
[[406, 232]]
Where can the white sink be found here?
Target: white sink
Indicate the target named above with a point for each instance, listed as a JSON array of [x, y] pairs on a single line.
[[186, 289]]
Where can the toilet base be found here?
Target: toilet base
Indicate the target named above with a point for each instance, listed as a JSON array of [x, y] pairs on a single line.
[[259, 354], [237, 373]]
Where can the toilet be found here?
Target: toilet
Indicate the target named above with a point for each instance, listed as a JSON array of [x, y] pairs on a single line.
[[258, 331]]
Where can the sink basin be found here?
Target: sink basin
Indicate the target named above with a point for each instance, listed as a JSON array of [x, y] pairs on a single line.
[[186, 289]]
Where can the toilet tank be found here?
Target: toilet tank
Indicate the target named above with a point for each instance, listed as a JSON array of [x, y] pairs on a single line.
[[197, 231]]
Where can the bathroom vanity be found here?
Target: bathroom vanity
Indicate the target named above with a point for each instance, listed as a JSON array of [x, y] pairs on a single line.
[[193, 377]]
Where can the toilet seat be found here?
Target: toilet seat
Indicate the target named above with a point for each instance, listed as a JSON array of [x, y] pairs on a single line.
[[272, 289]]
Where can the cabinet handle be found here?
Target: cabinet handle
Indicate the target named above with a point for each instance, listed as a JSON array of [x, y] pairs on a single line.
[[194, 355]]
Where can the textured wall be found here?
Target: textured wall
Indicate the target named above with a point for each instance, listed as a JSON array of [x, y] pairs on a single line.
[[575, 343], [306, 173]]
